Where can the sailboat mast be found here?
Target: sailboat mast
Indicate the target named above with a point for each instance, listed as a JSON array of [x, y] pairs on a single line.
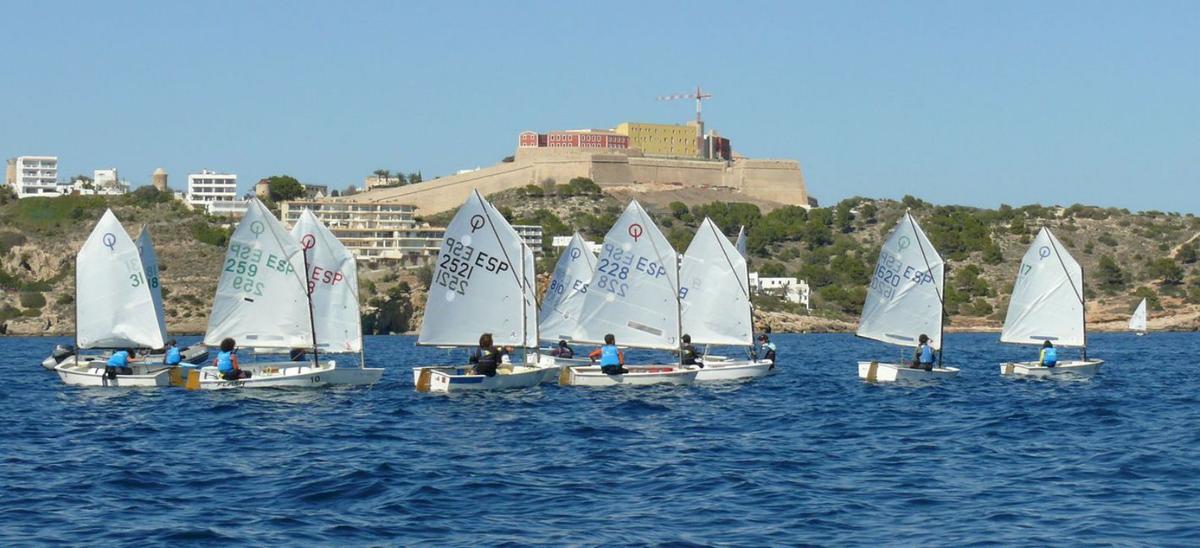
[[678, 308], [312, 321], [1083, 301]]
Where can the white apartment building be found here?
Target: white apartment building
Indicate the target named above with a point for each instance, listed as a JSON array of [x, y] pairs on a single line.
[[215, 192], [789, 289], [372, 231], [560, 242], [34, 176], [384, 232]]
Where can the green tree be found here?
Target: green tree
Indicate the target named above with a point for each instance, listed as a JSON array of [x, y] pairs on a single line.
[[284, 187], [414, 178], [1109, 275], [772, 269], [1167, 270], [868, 212], [843, 217], [679, 210], [583, 186], [1187, 254]]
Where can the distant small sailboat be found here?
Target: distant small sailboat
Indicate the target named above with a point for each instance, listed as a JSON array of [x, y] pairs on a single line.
[[905, 301], [114, 309], [1047, 304], [715, 301], [634, 295], [483, 283], [1137, 322]]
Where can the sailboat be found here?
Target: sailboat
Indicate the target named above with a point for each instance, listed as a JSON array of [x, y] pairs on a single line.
[[715, 301], [633, 295], [1137, 322], [333, 288], [1048, 304], [114, 309], [263, 302], [483, 283], [193, 354], [905, 301], [559, 315]]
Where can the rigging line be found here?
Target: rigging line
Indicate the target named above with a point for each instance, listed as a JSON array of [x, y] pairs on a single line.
[[728, 261], [485, 205], [1063, 264], [645, 217], [925, 257]]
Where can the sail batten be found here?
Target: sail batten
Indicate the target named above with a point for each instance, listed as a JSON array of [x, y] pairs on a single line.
[[714, 294], [1047, 301], [904, 299], [114, 304], [634, 290]]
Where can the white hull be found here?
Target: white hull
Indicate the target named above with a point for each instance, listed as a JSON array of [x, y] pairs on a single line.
[[284, 375], [460, 379], [731, 370], [1032, 369], [91, 373], [890, 372], [191, 354], [638, 375]]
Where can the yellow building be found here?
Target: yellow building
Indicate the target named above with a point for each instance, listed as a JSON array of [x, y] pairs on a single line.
[[661, 139]]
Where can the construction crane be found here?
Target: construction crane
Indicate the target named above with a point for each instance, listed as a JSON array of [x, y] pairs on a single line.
[[699, 95]]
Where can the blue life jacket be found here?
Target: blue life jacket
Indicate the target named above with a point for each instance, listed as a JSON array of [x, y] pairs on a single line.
[[119, 358], [609, 356], [225, 362], [172, 357], [926, 354], [1049, 357]]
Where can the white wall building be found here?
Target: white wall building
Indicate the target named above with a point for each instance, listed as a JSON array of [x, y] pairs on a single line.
[[560, 242], [789, 289], [215, 192], [35, 176]]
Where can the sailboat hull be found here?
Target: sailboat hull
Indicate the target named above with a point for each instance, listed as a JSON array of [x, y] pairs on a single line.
[[284, 375], [734, 370], [890, 372], [1033, 369], [639, 375], [91, 373], [460, 379]]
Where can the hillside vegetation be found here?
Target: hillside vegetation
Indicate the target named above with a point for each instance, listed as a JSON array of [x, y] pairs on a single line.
[[1126, 256]]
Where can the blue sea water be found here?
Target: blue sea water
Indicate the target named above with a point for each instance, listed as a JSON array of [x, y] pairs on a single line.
[[811, 455]]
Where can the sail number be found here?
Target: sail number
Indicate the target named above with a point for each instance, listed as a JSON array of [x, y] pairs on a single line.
[[458, 262], [245, 263], [891, 271], [616, 266]]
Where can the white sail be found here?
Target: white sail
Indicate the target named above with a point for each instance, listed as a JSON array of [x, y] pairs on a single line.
[[1047, 298], [741, 241], [529, 281], [568, 286], [262, 297], [1137, 322], [476, 286], [150, 267], [905, 297], [716, 305], [114, 306], [633, 292], [333, 283]]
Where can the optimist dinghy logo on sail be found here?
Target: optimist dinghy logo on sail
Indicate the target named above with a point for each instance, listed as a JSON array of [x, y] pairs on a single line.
[[1044, 252], [635, 231], [477, 223], [308, 242], [257, 228], [110, 241]]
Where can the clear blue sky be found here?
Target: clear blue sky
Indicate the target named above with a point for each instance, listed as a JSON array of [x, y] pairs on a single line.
[[976, 103]]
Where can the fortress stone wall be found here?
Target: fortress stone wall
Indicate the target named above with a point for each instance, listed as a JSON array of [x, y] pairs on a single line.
[[779, 181]]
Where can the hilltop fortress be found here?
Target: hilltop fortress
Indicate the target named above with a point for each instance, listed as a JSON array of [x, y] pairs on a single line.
[[632, 156]]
